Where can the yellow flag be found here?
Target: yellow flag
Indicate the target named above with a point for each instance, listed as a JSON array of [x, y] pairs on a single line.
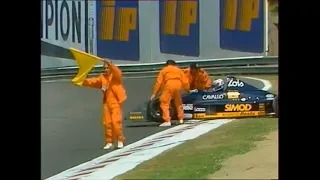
[[85, 62]]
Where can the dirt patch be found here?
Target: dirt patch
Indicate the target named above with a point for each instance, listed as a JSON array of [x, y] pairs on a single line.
[[260, 163]]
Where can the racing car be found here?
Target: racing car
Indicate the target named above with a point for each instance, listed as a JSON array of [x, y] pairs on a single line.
[[232, 98]]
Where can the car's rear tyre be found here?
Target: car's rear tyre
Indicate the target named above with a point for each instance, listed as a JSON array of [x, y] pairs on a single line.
[[275, 106], [155, 113]]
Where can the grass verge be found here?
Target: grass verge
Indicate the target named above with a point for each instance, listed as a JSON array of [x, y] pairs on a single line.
[[203, 156]]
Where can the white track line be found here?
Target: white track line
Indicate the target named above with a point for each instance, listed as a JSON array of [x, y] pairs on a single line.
[[130, 161], [266, 83], [107, 155]]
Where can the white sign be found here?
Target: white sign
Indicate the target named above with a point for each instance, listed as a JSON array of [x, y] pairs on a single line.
[[269, 95], [237, 83], [63, 23], [213, 96], [200, 110], [187, 116], [187, 107]]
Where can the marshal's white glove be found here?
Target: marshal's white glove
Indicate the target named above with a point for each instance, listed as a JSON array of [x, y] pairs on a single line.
[[104, 88], [193, 90]]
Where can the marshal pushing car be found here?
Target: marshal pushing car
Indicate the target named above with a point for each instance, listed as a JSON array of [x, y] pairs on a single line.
[[228, 98]]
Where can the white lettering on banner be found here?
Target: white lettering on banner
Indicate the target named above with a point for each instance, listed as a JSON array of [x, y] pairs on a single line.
[[63, 23], [213, 96], [236, 83], [187, 107], [200, 110], [91, 25]]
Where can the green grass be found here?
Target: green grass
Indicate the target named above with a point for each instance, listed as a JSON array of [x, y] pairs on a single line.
[[203, 156]]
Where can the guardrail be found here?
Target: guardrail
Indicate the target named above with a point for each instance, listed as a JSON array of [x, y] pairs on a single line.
[[246, 65]]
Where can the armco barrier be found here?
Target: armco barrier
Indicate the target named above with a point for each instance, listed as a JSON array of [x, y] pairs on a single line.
[[247, 65]]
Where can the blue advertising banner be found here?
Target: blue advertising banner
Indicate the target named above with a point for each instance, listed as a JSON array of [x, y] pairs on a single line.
[[118, 29], [242, 25], [179, 27]]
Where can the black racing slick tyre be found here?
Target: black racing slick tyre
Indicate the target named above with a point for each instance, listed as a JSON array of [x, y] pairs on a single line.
[[275, 106], [155, 113]]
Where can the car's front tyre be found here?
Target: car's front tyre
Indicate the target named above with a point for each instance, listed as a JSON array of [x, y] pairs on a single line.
[[275, 106], [155, 113]]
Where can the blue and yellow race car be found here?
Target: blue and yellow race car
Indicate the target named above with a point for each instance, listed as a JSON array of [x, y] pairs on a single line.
[[231, 98]]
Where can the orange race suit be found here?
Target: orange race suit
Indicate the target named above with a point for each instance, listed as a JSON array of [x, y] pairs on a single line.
[[172, 81], [113, 97], [200, 80]]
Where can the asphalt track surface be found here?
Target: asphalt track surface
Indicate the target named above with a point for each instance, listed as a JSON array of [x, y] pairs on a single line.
[[71, 128]]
